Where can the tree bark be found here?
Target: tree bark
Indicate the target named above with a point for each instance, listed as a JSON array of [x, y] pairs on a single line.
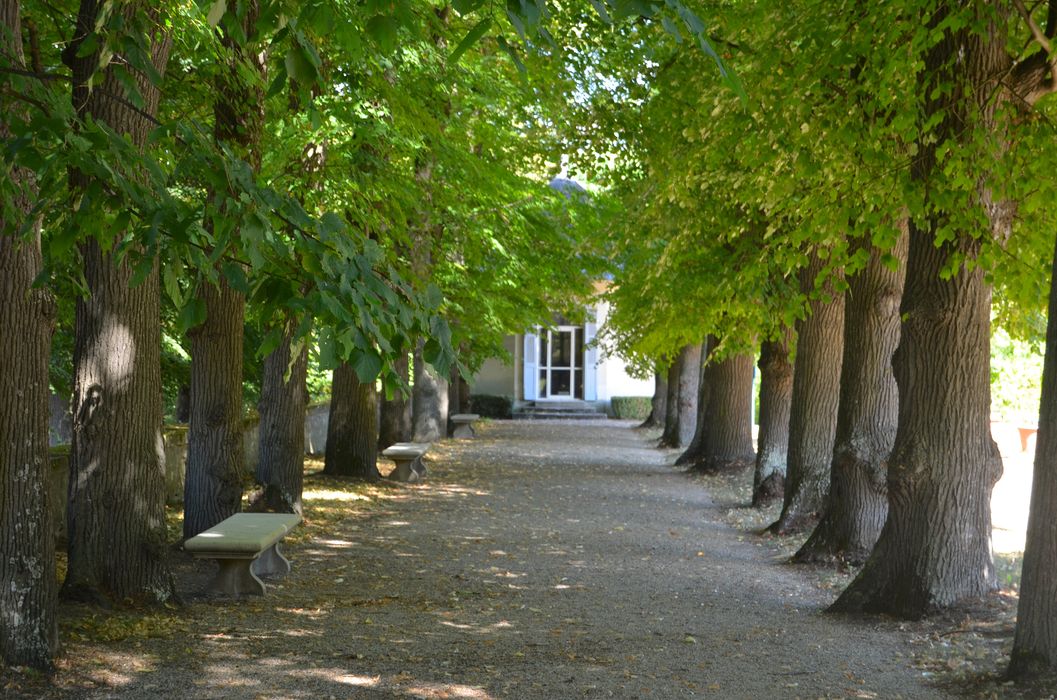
[[659, 402], [395, 423], [813, 411], [215, 464], [281, 463], [458, 393], [935, 548], [1035, 640], [776, 398], [681, 419], [702, 391], [429, 402], [866, 420], [724, 442], [28, 629], [213, 489], [352, 432], [116, 514]]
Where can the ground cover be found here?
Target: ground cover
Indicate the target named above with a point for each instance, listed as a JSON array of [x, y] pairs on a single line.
[[542, 560]]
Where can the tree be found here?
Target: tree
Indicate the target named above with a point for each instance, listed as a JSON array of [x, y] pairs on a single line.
[[813, 411], [213, 490], [28, 629], [116, 519], [352, 432], [723, 441], [776, 398], [934, 550], [681, 414], [395, 419], [1035, 642], [866, 418], [429, 401], [659, 402], [284, 396]]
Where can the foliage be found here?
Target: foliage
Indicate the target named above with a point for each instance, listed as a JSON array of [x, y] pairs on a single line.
[[628, 407], [489, 406], [1016, 379]]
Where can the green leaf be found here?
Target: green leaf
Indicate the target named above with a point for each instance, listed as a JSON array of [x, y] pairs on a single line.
[[471, 38], [171, 279], [216, 12], [465, 7], [192, 314], [512, 53], [367, 364], [383, 29]]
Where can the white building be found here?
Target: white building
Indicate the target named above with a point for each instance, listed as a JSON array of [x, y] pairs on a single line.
[[560, 364]]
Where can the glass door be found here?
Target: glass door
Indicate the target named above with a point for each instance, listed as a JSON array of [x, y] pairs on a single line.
[[561, 368]]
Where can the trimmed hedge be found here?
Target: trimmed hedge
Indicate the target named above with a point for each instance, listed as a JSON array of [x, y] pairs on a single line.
[[488, 406], [631, 407]]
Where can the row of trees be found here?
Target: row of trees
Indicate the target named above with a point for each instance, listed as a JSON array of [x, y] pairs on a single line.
[[342, 180], [856, 216]]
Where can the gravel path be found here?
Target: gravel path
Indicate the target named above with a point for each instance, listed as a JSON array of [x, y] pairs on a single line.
[[541, 560]]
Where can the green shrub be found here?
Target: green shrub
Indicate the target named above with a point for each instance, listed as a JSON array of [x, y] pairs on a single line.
[[631, 407], [488, 406]]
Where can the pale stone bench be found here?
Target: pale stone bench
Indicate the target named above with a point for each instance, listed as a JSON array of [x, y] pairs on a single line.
[[463, 425], [408, 459], [246, 546]]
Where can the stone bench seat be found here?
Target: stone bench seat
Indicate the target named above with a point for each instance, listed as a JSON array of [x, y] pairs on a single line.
[[245, 546], [462, 425], [408, 459]]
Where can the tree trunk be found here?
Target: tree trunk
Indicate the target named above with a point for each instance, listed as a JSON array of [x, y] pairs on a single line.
[[215, 465], [213, 490], [1035, 640], [458, 393], [935, 548], [281, 463], [116, 536], [681, 419], [659, 403], [866, 420], [776, 398], [28, 630], [703, 393], [725, 423], [429, 402], [395, 423], [813, 411], [352, 432]]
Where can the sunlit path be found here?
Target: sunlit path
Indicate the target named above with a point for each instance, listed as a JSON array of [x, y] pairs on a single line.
[[541, 560]]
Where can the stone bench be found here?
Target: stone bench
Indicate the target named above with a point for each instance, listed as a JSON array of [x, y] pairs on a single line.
[[462, 425], [408, 459], [246, 546]]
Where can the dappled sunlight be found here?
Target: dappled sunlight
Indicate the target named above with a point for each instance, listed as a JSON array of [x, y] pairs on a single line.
[[358, 681], [332, 495], [338, 543], [1009, 502], [447, 690], [501, 626]]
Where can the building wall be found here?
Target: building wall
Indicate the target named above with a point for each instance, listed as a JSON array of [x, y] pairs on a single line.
[[504, 378], [497, 376], [613, 379]]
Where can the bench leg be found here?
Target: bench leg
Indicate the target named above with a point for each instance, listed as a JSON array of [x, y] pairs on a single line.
[[236, 579], [463, 430], [419, 466], [271, 563], [405, 471]]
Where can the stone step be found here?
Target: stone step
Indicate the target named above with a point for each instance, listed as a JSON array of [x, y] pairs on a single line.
[[535, 413]]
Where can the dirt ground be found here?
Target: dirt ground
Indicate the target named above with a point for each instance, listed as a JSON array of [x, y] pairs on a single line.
[[539, 560]]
